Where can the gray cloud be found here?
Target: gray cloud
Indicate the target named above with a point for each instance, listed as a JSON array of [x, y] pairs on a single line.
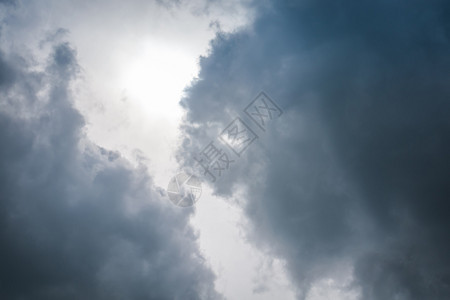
[[77, 221], [357, 168]]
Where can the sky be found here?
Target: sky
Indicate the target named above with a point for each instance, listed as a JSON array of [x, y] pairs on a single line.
[[341, 195]]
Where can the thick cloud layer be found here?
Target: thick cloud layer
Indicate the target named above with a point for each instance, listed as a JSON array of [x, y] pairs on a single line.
[[355, 173], [77, 221]]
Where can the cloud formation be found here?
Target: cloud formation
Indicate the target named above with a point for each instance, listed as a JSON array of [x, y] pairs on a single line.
[[77, 221], [354, 177]]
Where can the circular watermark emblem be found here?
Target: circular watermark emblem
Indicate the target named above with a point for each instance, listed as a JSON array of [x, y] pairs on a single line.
[[184, 190]]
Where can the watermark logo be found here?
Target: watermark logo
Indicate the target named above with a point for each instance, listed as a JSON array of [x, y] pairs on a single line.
[[214, 160], [184, 190], [238, 136], [262, 110]]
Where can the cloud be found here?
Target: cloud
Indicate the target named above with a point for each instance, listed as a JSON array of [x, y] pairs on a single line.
[[355, 172], [77, 221]]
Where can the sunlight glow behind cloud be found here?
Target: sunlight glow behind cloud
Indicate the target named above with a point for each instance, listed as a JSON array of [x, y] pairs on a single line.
[[155, 77]]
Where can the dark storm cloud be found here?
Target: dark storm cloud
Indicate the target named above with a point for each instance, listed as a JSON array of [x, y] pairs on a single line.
[[7, 2], [76, 221], [357, 168]]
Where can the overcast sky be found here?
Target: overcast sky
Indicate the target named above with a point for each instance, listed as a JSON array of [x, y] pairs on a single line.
[[343, 196]]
